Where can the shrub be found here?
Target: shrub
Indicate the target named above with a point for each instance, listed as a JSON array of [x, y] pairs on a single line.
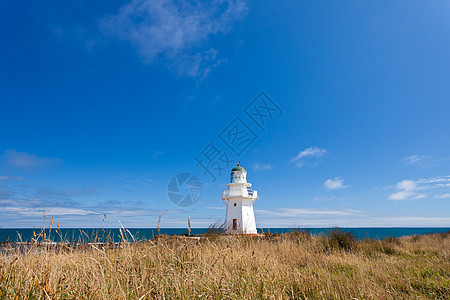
[[444, 234], [392, 240], [298, 234], [339, 239]]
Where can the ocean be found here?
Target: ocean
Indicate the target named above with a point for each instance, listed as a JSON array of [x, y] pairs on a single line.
[[141, 234]]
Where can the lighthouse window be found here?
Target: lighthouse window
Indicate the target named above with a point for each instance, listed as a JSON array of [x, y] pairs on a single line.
[[235, 204]]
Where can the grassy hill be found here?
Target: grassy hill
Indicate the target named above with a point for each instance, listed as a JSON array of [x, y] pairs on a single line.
[[295, 265]]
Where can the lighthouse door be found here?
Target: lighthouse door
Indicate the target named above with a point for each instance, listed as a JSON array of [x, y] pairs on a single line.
[[234, 224]]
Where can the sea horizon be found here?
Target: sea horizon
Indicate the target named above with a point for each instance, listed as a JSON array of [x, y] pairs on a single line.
[[92, 234]]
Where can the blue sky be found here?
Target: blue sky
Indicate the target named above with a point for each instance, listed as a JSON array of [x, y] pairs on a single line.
[[103, 103]]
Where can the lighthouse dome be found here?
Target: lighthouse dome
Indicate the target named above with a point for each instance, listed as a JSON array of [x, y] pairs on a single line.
[[238, 169], [238, 174]]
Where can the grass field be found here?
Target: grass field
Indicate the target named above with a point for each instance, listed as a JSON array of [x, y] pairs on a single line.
[[290, 266]]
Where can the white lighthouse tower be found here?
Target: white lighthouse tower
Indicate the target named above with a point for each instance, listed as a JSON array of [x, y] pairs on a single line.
[[239, 198]]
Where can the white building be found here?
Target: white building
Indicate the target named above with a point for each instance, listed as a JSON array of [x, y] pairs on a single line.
[[239, 198]]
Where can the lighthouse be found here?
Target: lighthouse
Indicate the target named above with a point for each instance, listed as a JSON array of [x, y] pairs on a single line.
[[239, 198]]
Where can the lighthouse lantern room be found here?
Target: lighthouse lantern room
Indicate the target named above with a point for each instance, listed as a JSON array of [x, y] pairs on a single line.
[[239, 198]]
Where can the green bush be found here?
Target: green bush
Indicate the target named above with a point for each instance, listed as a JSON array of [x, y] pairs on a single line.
[[339, 239]]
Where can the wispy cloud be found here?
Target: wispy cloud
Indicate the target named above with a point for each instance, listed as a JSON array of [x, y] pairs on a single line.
[[401, 221], [179, 31], [320, 217], [423, 160], [31, 211], [407, 189], [442, 196], [50, 193], [42, 197], [414, 159], [262, 167], [323, 198], [122, 212], [298, 212], [216, 207], [52, 211], [335, 184], [12, 178], [131, 181], [5, 194], [26, 161], [116, 213], [435, 187], [308, 153], [358, 219]]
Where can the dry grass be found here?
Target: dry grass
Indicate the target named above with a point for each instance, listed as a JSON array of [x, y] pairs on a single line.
[[289, 266]]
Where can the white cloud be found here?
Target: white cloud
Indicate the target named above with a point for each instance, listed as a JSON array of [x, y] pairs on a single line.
[[131, 181], [177, 30], [406, 190], [423, 160], [335, 184], [216, 207], [435, 187], [407, 185], [262, 167], [12, 178], [22, 160], [324, 198], [435, 182], [309, 217], [443, 196], [50, 193], [405, 221], [297, 212], [355, 220], [53, 211], [414, 159], [308, 153], [87, 216]]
